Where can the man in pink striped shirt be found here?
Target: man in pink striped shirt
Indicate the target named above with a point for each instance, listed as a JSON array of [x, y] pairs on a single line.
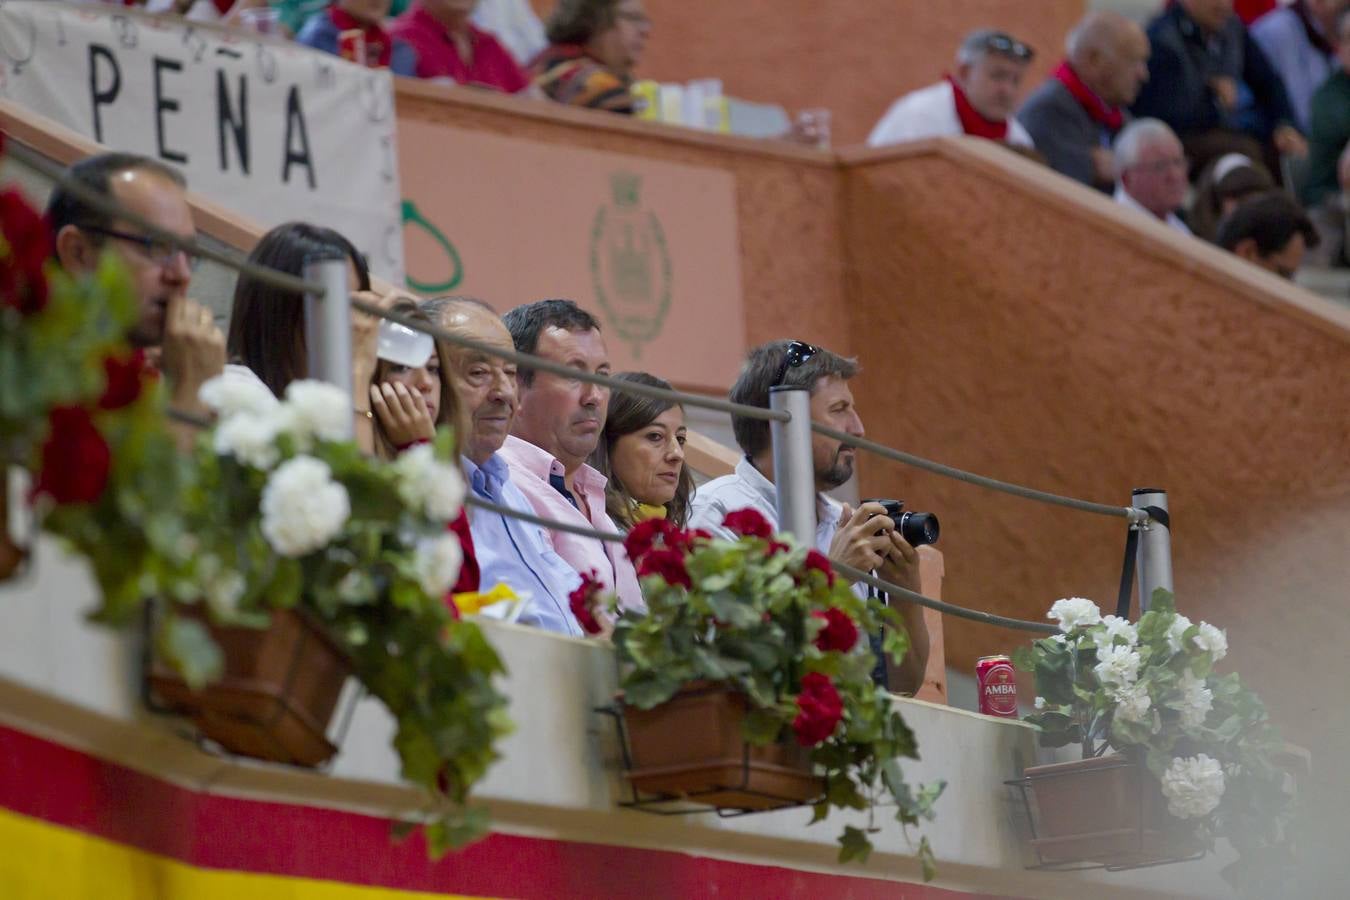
[[558, 424]]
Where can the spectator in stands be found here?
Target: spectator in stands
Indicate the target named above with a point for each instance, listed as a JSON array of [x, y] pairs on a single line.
[[642, 454], [594, 45], [515, 24], [1223, 185], [408, 399], [449, 45], [1076, 114], [978, 100], [557, 427], [509, 551], [1203, 61], [864, 538], [179, 331], [1152, 171], [1299, 41], [267, 334], [1270, 230], [1328, 180], [326, 29]]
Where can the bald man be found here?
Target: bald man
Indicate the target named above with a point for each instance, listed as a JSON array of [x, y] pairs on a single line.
[[1076, 114]]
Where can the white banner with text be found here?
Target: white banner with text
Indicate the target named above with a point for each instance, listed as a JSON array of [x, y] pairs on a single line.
[[270, 130]]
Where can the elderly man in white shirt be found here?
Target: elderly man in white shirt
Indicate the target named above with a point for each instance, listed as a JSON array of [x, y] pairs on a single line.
[[865, 538], [977, 100], [1152, 171]]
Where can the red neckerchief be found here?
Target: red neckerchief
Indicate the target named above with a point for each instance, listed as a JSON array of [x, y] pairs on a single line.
[[378, 46], [973, 121], [1110, 116]]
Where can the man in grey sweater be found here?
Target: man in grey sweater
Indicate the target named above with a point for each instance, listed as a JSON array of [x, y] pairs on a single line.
[[1074, 116]]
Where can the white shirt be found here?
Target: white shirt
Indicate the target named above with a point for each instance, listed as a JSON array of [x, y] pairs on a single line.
[[930, 112], [1172, 221], [514, 23]]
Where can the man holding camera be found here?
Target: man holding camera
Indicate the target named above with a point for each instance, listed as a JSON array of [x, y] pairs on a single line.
[[865, 538]]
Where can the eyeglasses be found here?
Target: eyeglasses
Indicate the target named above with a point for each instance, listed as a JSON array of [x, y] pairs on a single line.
[[1009, 46], [798, 353], [1157, 166], [159, 252]]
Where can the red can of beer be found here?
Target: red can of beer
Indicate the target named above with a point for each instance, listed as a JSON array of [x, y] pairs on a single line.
[[998, 686]]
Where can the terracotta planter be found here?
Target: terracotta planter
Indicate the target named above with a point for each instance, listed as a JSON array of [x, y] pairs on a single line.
[[692, 747], [277, 694], [1106, 810]]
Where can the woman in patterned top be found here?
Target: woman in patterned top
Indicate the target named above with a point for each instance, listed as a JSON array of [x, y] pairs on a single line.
[[594, 45]]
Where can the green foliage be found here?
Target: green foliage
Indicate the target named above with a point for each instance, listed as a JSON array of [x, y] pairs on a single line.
[[752, 622], [1175, 706]]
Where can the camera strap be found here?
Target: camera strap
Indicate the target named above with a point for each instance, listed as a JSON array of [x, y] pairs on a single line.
[[1157, 514]]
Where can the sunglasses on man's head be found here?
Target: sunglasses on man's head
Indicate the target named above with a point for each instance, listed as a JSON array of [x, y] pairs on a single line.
[[1009, 46], [798, 352]]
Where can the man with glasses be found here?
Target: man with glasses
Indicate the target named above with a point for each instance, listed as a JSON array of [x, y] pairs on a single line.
[[977, 100], [1152, 171], [180, 332], [865, 538]]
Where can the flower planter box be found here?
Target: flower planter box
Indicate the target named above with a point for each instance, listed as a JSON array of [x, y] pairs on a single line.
[[1107, 810], [276, 696], [691, 747]]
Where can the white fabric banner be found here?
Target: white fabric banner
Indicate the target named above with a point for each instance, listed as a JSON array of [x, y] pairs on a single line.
[[271, 130]]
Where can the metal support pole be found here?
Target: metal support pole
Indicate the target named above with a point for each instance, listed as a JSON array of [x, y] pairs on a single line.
[[793, 473], [328, 324], [1154, 556]]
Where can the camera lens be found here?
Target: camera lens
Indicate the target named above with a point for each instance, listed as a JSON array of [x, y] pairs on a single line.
[[919, 528]]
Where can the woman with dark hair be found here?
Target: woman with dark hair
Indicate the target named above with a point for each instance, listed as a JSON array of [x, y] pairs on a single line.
[[1221, 188], [594, 45], [642, 454], [408, 395]]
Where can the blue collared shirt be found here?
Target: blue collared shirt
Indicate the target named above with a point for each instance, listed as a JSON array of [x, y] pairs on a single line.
[[517, 553]]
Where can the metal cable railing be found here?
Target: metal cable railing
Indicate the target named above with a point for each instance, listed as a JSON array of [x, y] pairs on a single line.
[[108, 205]]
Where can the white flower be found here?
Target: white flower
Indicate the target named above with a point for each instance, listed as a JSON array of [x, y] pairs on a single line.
[[427, 483], [1115, 627], [436, 562], [1132, 703], [1073, 612], [223, 588], [1212, 640], [1193, 786], [302, 507], [1177, 632], [1196, 701], [317, 409], [1040, 703], [249, 438], [1117, 666], [229, 395]]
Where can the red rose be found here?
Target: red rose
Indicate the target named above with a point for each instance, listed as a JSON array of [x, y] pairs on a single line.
[[583, 601], [748, 522], [669, 564], [818, 561], [776, 547], [24, 251], [75, 458], [124, 380], [642, 539], [839, 632], [819, 710]]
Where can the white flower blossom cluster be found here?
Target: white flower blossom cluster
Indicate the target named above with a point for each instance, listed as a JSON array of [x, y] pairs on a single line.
[[1193, 786], [428, 484], [1212, 640], [251, 419], [1115, 627], [1176, 634], [437, 562], [1132, 703], [303, 508], [315, 409], [1117, 666], [1074, 612], [1196, 701]]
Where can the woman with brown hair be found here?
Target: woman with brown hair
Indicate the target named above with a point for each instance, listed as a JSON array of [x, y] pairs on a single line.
[[642, 454], [594, 45]]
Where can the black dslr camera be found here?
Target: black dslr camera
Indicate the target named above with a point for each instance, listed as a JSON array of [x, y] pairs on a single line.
[[917, 528]]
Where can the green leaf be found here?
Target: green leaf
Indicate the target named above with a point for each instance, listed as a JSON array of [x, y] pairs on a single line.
[[187, 646], [927, 860], [762, 726], [645, 690], [854, 844]]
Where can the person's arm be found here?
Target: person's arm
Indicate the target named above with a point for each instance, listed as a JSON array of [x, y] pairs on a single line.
[[1267, 86], [902, 568], [193, 352], [1056, 130]]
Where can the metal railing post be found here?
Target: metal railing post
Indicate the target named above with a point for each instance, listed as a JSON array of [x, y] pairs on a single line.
[[1154, 556], [793, 473], [328, 324]]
